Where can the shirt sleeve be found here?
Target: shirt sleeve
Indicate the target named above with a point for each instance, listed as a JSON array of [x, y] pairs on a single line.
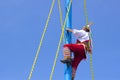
[[78, 33]]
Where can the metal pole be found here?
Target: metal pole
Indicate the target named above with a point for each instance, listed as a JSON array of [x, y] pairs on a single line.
[[67, 35]]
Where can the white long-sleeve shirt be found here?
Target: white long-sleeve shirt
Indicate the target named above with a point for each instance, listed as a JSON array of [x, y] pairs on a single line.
[[81, 35]]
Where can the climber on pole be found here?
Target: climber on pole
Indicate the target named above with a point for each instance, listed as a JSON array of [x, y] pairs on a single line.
[[79, 49]]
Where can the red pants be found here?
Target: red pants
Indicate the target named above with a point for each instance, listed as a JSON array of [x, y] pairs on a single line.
[[79, 54]]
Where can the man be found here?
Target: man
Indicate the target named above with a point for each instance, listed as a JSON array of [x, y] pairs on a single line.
[[79, 48]]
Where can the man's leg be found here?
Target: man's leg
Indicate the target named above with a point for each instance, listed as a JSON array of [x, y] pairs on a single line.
[[79, 55], [67, 55], [75, 64]]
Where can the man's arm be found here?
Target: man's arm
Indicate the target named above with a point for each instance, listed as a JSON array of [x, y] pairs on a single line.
[[70, 30]]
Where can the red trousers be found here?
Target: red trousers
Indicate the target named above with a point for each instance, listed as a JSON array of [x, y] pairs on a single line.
[[79, 54]]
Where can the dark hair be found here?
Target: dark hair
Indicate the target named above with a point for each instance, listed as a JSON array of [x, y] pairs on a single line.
[[87, 30]]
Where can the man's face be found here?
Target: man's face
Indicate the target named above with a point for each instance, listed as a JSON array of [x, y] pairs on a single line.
[[84, 28]]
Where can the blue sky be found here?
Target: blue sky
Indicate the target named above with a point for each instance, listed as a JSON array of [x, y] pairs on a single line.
[[21, 26]]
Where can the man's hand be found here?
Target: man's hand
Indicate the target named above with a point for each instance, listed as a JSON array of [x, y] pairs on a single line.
[[89, 50], [70, 30], [67, 29]]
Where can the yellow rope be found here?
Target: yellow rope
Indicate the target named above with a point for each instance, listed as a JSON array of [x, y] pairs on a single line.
[[91, 64], [91, 67], [61, 37], [60, 11], [43, 34], [85, 12]]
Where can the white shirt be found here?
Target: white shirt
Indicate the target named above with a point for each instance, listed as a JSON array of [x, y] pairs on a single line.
[[81, 35]]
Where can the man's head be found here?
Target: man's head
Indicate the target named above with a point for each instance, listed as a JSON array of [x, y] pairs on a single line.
[[86, 28]]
